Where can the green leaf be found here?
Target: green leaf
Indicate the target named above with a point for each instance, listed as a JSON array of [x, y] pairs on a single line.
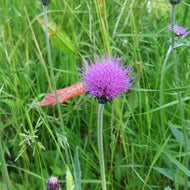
[[69, 180], [168, 188], [77, 171], [164, 171], [57, 171], [59, 38], [158, 153], [177, 133], [171, 175], [177, 163]]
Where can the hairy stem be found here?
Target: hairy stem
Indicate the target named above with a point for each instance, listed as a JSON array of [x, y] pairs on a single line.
[[51, 66], [53, 78], [162, 113], [100, 145], [181, 110]]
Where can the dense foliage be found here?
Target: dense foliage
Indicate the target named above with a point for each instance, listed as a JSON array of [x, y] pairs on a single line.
[[145, 130]]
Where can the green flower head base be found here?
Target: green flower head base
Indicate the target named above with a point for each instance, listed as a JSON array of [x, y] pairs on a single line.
[[175, 2], [45, 2], [106, 78]]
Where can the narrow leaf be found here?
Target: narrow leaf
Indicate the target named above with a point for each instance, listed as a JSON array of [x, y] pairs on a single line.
[[178, 164], [77, 171], [177, 133], [168, 188]]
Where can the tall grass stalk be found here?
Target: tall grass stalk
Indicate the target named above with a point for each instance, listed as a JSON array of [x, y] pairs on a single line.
[[4, 170], [181, 110], [37, 46], [100, 145], [103, 24]]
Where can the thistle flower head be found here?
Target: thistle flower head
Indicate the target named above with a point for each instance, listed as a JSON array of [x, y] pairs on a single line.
[[53, 183], [179, 30], [106, 78]]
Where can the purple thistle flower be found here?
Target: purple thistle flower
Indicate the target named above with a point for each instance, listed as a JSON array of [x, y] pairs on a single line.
[[106, 78], [179, 30], [53, 183]]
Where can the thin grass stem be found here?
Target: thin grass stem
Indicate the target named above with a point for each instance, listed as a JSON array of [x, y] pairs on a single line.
[[103, 28]]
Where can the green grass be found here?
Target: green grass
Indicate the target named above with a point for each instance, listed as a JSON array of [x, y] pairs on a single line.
[[143, 138]]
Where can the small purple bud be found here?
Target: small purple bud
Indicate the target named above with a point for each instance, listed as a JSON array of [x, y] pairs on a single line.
[[45, 2], [179, 30], [53, 183], [175, 2]]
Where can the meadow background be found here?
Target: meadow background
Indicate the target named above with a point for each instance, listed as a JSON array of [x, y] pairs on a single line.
[[143, 134]]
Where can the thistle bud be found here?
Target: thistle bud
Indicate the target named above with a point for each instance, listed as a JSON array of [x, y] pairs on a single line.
[[53, 183], [175, 2], [45, 2]]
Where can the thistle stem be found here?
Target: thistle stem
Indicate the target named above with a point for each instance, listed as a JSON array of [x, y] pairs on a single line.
[[53, 78], [51, 66], [173, 31], [161, 89], [181, 110], [100, 145]]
